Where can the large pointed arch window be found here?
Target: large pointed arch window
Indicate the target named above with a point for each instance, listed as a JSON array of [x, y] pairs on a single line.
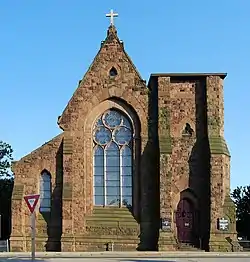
[[112, 138], [45, 192]]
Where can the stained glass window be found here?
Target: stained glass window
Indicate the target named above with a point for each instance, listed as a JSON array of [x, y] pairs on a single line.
[[45, 192], [112, 139]]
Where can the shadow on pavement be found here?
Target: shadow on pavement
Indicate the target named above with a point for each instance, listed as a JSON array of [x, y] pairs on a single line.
[[149, 260], [17, 259]]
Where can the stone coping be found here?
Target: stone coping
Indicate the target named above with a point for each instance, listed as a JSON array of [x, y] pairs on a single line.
[[110, 254]]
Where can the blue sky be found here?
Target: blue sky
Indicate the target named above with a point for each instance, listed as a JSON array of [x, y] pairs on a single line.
[[47, 46]]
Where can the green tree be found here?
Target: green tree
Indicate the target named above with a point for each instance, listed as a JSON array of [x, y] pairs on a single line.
[[6, 188], [241, 197], [5, 160]]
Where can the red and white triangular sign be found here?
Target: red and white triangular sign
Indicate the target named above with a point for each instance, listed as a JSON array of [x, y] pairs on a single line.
[[31, 201]]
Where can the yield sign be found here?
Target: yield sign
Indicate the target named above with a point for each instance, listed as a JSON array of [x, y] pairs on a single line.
[[31, 202]]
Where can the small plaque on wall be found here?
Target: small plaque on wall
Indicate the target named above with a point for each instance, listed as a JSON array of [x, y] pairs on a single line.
[[223, 224], [166, 224]]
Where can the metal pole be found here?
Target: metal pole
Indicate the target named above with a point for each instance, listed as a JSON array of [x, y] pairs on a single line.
[[33, 235]]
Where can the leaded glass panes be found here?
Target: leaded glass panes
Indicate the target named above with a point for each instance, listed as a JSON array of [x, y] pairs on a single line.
[[125, 122], [113, 190], [126, 158], [115, 183], [45, 192], [112, 176], [127, 200], [112, 154], [112, 118], [127, 180], [99, 123], [99, 190], [127, 190], [122, 135], [113, 200], [99, 200], [102, 135], [99, 181], [98, 175], [112, 138]]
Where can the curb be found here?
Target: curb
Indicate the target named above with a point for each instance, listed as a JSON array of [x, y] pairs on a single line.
[[110, 254]]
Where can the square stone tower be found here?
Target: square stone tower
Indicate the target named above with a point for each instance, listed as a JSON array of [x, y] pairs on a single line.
[[194, 177]]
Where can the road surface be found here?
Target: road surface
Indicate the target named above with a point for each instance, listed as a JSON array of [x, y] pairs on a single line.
[[88, 259]]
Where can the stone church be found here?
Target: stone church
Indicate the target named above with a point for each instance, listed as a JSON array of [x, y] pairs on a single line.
[[137, 166]]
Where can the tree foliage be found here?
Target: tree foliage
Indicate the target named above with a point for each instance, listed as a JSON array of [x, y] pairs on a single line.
[[241, 197], [5, 160], [6, 188]]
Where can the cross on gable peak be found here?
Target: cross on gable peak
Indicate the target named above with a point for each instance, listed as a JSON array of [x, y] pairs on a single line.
[[112, 15]]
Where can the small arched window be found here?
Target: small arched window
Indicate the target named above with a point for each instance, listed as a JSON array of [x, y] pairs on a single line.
[[188, 130], [45, 192]]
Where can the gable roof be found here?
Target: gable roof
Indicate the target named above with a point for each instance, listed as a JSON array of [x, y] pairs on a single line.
[[111, 39]]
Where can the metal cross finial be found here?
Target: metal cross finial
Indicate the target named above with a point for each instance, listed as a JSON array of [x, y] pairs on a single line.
[[112, 15]]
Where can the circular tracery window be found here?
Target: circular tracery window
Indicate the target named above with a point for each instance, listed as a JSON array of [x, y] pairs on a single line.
[[112, 119], [102, 135], [122, 135], [112, 126]]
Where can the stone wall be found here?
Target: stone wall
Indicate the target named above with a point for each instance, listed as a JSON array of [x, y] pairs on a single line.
[[97, 92], [183, 155], [27, 175], [185, 159], [221, 203]]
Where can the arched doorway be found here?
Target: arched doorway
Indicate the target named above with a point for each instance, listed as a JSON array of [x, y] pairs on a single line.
[[185, 217]]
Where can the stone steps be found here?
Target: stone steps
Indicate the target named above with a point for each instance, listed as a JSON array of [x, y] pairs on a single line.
[[113, 223], [101, 246], [109, 239], [111, 209], [188, 247], [107, 225], [111, 216], [117, 214], [104, 243]]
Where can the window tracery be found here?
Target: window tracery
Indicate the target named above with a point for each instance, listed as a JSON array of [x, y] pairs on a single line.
[[112, 138]]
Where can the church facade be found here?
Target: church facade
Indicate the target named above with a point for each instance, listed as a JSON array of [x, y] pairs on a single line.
[[137, 166]]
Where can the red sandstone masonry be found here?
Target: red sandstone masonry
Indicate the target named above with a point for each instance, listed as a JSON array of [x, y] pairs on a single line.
[[183, 173]]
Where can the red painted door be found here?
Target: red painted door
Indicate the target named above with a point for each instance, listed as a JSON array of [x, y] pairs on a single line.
[[184, 221]]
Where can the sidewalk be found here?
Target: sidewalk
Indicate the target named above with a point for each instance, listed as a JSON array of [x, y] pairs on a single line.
[[110, 254]]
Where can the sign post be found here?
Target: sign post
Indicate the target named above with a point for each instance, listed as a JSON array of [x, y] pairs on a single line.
[[31, 201]]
